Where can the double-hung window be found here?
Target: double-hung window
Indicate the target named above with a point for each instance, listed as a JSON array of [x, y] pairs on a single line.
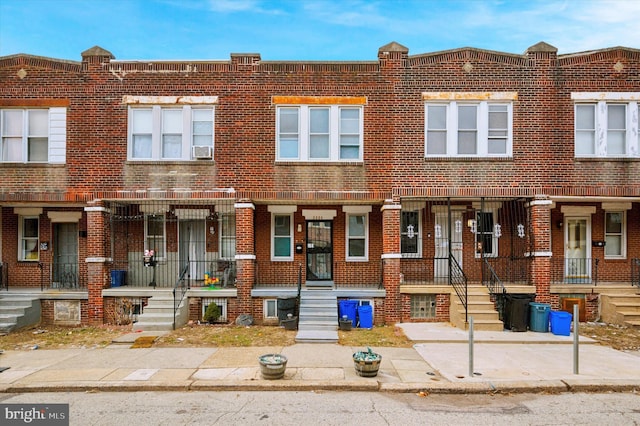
[[606, 124], [29, 239], [319, 131], [357, 219], [33, 135], [282, 232], [614, 234], [155, 232], [468, 125], [173, 129]]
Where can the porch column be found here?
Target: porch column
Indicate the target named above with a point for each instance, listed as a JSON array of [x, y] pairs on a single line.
[[98, 260], [391, 260], [540, 217], [245, 255]]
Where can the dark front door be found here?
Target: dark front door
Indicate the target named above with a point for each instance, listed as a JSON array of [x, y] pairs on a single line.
[[319, 250], [65, 255]]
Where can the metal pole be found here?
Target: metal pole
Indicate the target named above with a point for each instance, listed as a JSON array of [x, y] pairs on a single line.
[[576, 338], [470, 346]]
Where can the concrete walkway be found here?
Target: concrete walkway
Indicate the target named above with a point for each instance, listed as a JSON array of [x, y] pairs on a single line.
[[438, 362]]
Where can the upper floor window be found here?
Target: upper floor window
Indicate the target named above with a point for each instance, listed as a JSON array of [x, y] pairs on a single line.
[[323, 130], [606, 124], [468, 124], [33, 135]]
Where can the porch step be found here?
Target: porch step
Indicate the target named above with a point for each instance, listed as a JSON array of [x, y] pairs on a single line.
[[479, 306], [621, 309], [318, 316], [18, 311], [158, 314]]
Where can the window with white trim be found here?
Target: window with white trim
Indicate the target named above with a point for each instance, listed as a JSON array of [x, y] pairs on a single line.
[[155, 231], [222, 304], [33, 135], [319, 133], [468, 129], [487, 233], [270, 309], [282, 236], [357, 237], [29, 239], [171, 133], [606, 124], [227, 235], [411, 233], [615, 234]]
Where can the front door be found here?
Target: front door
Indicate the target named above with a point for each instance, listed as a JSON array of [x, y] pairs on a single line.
[[192, 248], [445, 242], [65, 255], [319, 250], [577, 251]]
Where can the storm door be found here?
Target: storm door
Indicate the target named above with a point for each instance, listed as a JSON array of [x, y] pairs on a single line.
[[577, 251], [446, 242], [192, 248], [319, 250], [65, 255]]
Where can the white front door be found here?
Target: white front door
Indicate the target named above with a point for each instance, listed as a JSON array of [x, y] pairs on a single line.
[[577, 252], [191, 235], [441, 231]]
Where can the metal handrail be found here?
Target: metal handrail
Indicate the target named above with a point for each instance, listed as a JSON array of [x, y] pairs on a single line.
[[180, 283], [494, 283], [458, 280]]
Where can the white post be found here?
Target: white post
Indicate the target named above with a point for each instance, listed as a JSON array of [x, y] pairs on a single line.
[[470, 346], [576, 338]]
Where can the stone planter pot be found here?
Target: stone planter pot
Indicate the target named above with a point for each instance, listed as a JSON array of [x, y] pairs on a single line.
[[366, 363], [272, 366]]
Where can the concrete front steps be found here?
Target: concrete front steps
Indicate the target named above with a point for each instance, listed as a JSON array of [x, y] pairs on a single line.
[[621, 307], [158, 314], [480, 307], [18, 311], [318, 317]]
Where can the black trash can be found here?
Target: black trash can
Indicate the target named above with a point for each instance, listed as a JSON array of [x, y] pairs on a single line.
[[286, 305], [516, 313]]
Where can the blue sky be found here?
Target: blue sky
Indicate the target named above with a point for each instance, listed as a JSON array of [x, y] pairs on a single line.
[[324, 30]]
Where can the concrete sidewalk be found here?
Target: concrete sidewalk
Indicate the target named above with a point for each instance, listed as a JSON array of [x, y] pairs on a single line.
[[438, 362]]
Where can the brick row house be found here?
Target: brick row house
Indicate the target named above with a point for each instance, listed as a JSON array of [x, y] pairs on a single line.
[[428, 187]]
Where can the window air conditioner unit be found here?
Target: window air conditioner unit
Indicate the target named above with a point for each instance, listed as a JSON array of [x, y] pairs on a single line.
[[203, 152]]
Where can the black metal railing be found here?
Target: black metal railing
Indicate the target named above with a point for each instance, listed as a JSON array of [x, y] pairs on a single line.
[[574, 270], [491, 280], [635, 272], [458, 280], [179, 291]]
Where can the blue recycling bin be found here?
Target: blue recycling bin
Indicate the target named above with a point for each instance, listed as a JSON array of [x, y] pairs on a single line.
[[118, 278], [365, 314], [348, 308], [539, 317], [560, 323]]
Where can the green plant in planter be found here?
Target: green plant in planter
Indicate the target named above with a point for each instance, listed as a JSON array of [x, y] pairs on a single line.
[[212, 313]]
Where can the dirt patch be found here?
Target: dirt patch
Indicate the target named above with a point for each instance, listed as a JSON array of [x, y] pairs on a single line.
[[56, 337], [616, 336]]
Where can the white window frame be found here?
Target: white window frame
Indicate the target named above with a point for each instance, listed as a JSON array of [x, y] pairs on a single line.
[[23, 240], [282, 210], [222, 304], [55, 135], [483, 136], [357, 211], [160, 256], [157, 131], [600, 102], [227, 236], [265, 309], [335, 133], [622, 234], [494, 240]]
